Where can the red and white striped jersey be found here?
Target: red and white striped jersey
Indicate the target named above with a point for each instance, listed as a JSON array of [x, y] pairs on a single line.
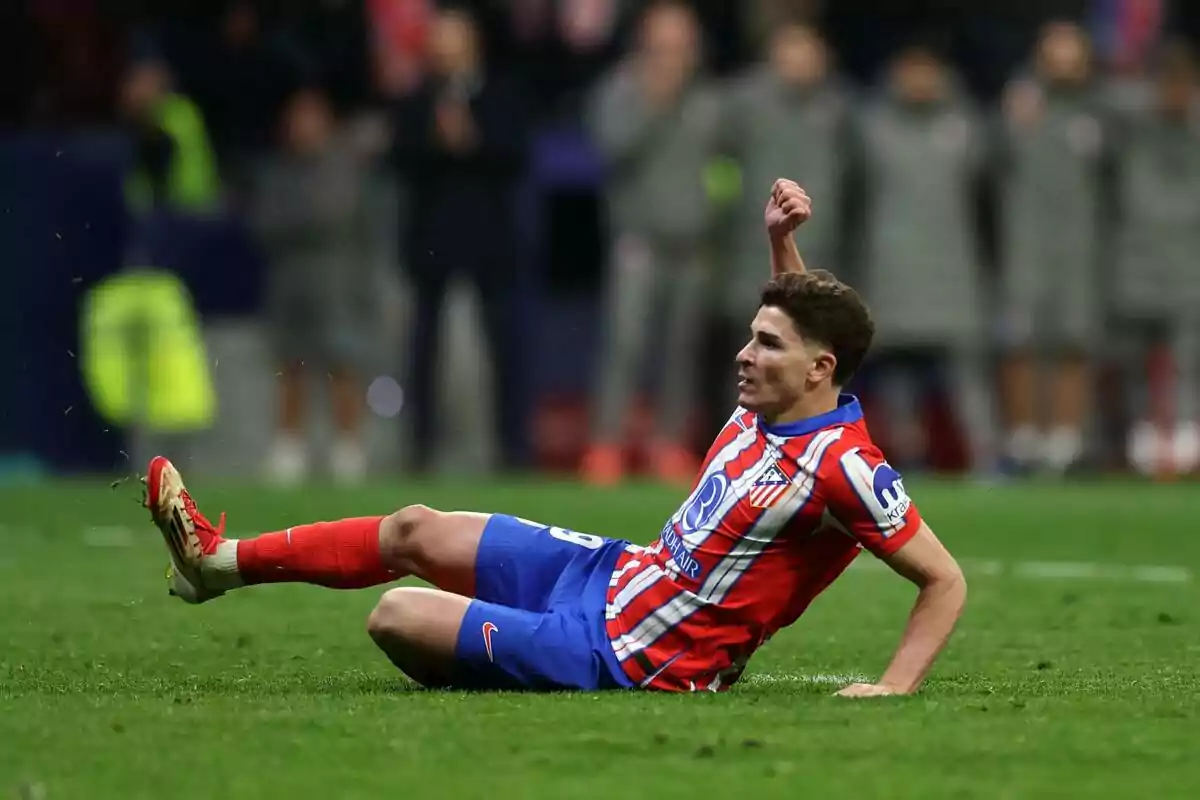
[[777, 513]]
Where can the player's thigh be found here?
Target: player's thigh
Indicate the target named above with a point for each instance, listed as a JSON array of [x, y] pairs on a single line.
[[521, 563], [500, 647], [418, 630]]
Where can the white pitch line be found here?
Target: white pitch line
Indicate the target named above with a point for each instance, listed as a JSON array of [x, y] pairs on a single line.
[[108, 536], [1059, 570], [821, 679]]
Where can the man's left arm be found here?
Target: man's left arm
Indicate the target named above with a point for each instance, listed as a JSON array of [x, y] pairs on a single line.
[[867, 497], [942, 593]]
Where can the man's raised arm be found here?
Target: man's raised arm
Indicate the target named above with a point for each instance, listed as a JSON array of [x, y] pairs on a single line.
[[788, 208]]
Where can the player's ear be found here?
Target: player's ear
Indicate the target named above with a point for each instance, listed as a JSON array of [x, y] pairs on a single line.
[[823, 365]]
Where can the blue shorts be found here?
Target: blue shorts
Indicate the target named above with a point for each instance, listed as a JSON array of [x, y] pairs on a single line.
[[537, 620]]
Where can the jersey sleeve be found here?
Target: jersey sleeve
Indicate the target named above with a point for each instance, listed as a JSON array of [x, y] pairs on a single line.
[[866, 496]]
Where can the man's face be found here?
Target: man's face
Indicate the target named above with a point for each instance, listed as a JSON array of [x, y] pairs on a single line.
[[453, 44], [1176, 93], [919, 78], [144, 86], [309, 123], [1063, 54], [669, 41], [777, 365], [798, 57]]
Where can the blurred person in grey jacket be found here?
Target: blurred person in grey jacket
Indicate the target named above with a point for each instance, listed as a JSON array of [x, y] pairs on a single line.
[[788, 116], [924, 151], [308, 213], [1055, 142], [1157, 286], [654, 120]]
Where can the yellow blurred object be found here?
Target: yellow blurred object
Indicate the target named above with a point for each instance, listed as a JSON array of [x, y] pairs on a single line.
[[144, 360], [193, 182]]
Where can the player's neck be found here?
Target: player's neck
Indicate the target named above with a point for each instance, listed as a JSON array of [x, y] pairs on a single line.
[[810, 405]]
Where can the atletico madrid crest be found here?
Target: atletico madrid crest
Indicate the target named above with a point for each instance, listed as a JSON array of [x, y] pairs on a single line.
[[771, 485]]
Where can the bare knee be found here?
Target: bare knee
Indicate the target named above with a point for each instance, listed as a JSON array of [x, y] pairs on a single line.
[[406, 626], [389, 620], [402, 535]]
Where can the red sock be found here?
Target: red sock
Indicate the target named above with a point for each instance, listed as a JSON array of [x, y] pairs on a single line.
[[340, 555]]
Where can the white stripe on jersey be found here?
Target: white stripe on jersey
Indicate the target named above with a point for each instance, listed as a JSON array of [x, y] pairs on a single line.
[[738, 487], [630, 565], [888, 518], [773, 520], [735, 564], [730, 452], [639, 584], [739, 411]]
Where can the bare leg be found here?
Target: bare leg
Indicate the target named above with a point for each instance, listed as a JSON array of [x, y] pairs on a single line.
[[418, 631], [972, 396], [1019, 390], [439, 547], [348, 460], [1071, 392], [352, 553], [418, 628], [292, 400], [288, 459], [1070, 400], [347, 401]]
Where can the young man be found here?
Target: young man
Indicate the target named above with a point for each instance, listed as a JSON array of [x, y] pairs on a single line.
[[790, 492]]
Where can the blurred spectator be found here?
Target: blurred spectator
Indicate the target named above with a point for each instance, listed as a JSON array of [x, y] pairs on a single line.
[[764, 18], [399, 36], [655, 121], [461, 145], [564, 45], [1158, 281], [173, 163], [241, 79], [1056, 140], [924, 152], [309, 213], [789, 117], [64, 62]]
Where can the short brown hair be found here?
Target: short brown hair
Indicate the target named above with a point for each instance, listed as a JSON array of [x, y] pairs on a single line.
[[825, 310]]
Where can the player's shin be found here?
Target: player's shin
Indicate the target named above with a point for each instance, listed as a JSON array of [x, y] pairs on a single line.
[[339, 555]]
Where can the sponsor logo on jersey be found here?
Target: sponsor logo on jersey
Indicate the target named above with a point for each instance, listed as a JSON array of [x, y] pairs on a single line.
[[771, 486], [704, 503], [888, 488], [682, 557]]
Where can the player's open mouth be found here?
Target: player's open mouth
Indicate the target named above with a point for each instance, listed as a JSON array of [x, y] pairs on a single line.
[[744, 382]]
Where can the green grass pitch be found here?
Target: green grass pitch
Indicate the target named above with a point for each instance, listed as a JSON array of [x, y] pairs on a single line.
[[1074, 671]]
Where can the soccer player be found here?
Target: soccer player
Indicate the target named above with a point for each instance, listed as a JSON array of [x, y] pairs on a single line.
[[790, 493]]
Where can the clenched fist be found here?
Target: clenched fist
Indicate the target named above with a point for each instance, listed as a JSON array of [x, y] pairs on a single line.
[[788, 208]]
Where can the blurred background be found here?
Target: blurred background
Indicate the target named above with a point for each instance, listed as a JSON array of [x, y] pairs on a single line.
[[327, 240]]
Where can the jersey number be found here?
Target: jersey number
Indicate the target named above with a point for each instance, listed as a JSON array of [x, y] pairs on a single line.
[[574, 537]]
